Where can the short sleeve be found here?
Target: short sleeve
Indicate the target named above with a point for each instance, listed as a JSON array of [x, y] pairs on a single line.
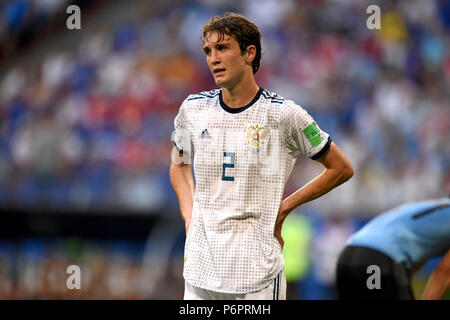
[[181, 137], [302, 134]]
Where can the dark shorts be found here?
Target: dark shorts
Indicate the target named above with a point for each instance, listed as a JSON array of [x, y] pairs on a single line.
[[368, 274]]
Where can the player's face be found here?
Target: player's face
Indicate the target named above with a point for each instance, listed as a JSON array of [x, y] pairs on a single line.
[[224, 59]]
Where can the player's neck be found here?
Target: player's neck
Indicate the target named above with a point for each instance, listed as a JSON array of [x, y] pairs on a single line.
[[241, 94]]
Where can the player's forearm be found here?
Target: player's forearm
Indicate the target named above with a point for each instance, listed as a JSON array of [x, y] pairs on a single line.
[[183, 185], [328, 180], [437, 286], [439, 282]]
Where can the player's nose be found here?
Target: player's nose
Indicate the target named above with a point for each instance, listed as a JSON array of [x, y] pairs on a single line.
[[214, 58]]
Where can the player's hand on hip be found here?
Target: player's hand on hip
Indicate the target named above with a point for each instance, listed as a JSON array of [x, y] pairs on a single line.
[[279, 237], [279, 225]]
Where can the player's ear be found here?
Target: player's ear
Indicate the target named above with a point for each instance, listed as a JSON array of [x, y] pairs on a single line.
[[250, 53]]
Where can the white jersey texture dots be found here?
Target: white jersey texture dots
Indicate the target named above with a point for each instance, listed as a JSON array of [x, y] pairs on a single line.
[[242, 159]]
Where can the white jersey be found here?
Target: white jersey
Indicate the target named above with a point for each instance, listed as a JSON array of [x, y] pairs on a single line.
[[242, 159]]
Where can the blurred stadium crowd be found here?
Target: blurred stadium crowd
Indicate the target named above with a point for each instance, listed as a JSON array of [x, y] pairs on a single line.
[[86, 122], [37, 269]]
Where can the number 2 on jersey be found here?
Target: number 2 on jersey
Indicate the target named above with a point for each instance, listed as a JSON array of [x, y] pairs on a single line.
[[228, 165]]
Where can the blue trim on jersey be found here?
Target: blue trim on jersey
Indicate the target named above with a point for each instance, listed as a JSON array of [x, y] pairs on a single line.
[[273, 97], [204, 94], [214, 94], [195, 98], [267, 95]]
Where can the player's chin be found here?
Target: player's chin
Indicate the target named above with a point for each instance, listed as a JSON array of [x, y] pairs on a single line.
[[221, 82]]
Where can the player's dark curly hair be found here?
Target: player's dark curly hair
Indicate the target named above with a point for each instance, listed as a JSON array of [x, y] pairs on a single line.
[[245, 31]]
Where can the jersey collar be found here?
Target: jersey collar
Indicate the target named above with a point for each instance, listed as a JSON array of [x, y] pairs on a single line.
[[237, 110]]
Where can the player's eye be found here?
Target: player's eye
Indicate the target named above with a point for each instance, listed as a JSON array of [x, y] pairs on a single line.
[[206, 51]]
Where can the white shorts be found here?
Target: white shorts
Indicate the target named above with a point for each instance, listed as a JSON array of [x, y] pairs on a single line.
[[275, 291]]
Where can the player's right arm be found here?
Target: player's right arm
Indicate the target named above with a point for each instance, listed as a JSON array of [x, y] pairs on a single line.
[[439, 281], [180, 171], [183, 183]]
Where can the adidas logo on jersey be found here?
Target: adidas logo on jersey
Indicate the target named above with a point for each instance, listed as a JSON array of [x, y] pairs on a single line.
[[205, 134]]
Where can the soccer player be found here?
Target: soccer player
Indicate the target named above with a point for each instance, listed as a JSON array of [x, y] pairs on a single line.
[[396, 244], [244, 141]]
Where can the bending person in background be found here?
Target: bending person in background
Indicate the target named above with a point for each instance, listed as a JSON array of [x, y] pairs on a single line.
[[381, 258]]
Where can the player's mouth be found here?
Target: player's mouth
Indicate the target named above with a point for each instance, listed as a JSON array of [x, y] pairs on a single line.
[[218, 71]]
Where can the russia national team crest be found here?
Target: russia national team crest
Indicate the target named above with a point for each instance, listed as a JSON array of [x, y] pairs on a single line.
[[257, 136]]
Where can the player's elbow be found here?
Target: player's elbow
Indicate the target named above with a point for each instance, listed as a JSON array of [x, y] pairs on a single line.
[[346, 172], [336, 160]]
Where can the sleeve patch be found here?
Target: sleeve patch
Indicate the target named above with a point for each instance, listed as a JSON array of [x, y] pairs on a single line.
[[313, 134]]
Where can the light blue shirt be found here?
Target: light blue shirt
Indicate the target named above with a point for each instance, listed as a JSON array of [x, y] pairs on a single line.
[[411, 233]]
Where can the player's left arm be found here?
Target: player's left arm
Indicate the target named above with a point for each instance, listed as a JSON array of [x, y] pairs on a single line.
[[337, 170], [439, 282]]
